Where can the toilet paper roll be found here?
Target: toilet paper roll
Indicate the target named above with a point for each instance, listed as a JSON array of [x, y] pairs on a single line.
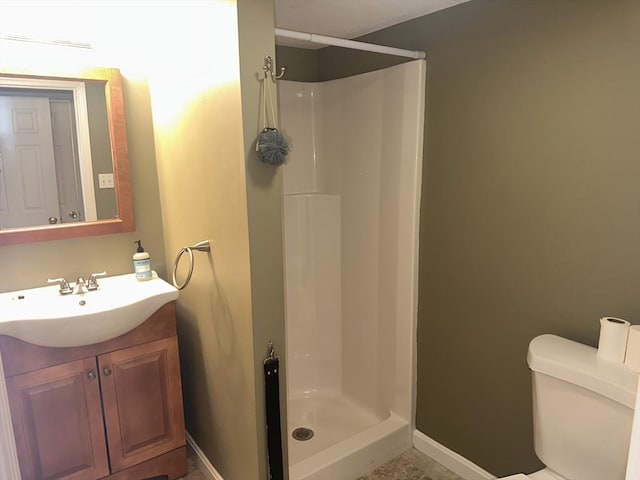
[[632, 357], [613, 339]]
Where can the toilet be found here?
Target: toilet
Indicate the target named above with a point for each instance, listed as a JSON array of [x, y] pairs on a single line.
[[582, 411]]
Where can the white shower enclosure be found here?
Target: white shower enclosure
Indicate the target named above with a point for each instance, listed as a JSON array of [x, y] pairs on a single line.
[[351, 203]]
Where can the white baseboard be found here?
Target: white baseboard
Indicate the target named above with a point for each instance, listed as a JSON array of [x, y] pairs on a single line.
[[450, 459], [201, 461]]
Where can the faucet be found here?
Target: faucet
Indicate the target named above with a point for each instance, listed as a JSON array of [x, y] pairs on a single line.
[[81, 286]]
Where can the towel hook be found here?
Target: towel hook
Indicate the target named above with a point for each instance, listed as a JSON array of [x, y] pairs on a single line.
[[269, 69]]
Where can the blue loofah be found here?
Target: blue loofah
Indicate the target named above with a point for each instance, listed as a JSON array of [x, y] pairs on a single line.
[[272, 147]]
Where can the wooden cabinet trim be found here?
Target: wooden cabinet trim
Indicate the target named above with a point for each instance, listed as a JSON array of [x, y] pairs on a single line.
[[20, 357]]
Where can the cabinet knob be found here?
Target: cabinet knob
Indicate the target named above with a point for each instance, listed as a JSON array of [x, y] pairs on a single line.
[[106, 371], [91, 375]]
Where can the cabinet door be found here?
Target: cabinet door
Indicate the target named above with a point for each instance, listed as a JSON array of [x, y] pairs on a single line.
[[57, 421], [142, 396]]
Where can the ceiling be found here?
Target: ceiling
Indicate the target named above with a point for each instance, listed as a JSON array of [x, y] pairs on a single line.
[[349, 18]]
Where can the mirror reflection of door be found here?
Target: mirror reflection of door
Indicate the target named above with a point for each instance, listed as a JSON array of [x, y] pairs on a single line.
[[38, 149], [27, 159]]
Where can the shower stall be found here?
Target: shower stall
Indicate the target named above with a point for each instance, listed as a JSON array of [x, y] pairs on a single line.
[[351, 203]]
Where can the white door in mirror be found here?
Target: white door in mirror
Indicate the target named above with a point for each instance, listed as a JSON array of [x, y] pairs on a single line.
[[27, 159]]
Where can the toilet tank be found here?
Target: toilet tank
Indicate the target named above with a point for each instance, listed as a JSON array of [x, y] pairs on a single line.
[[582, 409]]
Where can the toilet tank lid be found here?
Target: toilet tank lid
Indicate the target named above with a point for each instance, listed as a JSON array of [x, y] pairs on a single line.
[[579, 364]]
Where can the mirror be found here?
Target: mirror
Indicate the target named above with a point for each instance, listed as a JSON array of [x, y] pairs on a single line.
[[55, 186]]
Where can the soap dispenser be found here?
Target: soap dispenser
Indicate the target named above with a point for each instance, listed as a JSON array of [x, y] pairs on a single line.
[[141, 263]]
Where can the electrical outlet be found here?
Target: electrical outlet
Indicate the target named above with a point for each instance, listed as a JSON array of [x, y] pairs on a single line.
[[105, 180]]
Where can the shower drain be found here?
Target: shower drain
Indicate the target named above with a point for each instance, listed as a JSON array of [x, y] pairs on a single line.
[[302, 434]]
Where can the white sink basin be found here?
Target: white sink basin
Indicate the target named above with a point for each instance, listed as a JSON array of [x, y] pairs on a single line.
[[44, 317]]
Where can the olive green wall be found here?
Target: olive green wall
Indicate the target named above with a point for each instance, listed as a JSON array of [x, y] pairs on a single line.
[[213, 188], [265, 214], [530, 201], [301, 64], [202, 183]]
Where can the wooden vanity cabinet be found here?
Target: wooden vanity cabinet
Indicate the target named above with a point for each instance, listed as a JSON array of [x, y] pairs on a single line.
[[107, 411]]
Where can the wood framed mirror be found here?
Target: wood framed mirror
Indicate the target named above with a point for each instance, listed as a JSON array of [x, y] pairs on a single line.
[[24, 176]]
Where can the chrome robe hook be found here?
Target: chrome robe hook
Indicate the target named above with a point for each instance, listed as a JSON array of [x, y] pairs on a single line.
[[269, 69]]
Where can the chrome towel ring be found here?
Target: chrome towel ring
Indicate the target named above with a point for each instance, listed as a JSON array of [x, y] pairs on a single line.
[[202, 246]]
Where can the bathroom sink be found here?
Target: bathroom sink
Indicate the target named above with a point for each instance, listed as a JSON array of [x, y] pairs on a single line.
[[44, 317]]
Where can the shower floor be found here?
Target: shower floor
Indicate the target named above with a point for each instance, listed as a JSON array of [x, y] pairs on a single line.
[[332, 417]]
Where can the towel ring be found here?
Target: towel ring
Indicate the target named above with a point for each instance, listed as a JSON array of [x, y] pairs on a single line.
[[203, 246]]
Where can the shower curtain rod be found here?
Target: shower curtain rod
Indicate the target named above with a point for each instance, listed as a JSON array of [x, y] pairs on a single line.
[[341, 42]]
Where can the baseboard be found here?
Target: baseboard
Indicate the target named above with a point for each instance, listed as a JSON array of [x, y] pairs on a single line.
[[201, 461], [450, 459]]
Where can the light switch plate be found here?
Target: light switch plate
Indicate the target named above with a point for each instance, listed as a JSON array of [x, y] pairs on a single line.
[[105, 180]]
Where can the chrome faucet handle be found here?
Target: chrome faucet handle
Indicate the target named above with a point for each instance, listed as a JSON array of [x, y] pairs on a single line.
[[92, 283], [65, 288]]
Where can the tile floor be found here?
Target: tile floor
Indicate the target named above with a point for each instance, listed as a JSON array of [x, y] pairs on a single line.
[[193, 473], [411, 465]]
